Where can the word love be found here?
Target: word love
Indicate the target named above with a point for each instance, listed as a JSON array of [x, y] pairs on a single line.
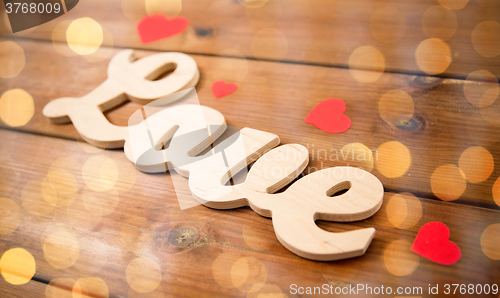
[[190, 129]]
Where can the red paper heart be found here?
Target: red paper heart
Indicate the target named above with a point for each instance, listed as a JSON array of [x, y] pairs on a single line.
[[329, 116], [432, 242], [221, 88], [157, 26]]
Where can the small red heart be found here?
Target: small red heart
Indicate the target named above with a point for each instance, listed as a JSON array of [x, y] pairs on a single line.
[[221, 88], [156, 26], [432, 242], [329, 116]]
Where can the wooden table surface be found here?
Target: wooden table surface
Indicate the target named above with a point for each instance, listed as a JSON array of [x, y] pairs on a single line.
[[286, 56]]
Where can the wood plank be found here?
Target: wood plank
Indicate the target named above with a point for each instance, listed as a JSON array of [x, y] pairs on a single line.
[[318, 32], [201, 250], [277, 97]]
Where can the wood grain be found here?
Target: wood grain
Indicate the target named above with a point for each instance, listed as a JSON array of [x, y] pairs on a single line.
[[198, 248], [316, 32], [276, 97]]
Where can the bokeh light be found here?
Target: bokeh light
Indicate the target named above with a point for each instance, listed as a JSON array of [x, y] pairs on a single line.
[[453, 4], [59, 188], [396, 107], [12, 59], [448, 182], [100, 203], [269, 43], [221, 269], [486, 39], [60, 287], [439, 22], [490, 241], [398, 258], [369, 58], [16, 107], [61, 249], [264, 16], [143, 275], [496, 191], [89, 148], [88, 287], [387, 24], [134, 10], [404, 210], [357, 155], [32, 199], [393, 159], [476, 163], [268, 291], [84, 36], [100, 173], [10, 216], [483, 88], [88, 262], [249, 274], [433, 56], [59, 39], [17, 266], [170, 8]]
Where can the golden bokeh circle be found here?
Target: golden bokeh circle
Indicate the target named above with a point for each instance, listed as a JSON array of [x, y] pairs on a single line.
[[433, 56], [60, 287], [248, 274], [61, 249], [59, 39], [366, 64], [134, 10], [490, 241], [143, 275], [393, 159], [448, 182], [453, 4], [10, 216], [93, 258], [266, 15], [387, 24], [17, 266], [398, 258], [84, 36], [59, 188], [16, 107], [12, 59], [170, 8], [486, 39], [32, 199], [90, 287], [221, 269], [357, 155], [439, 22], [396, 107], [269, 43], [404, 210], [481, 88], [100, 203], [476, 163], [100, 173], [268, 291], [496, 191]]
